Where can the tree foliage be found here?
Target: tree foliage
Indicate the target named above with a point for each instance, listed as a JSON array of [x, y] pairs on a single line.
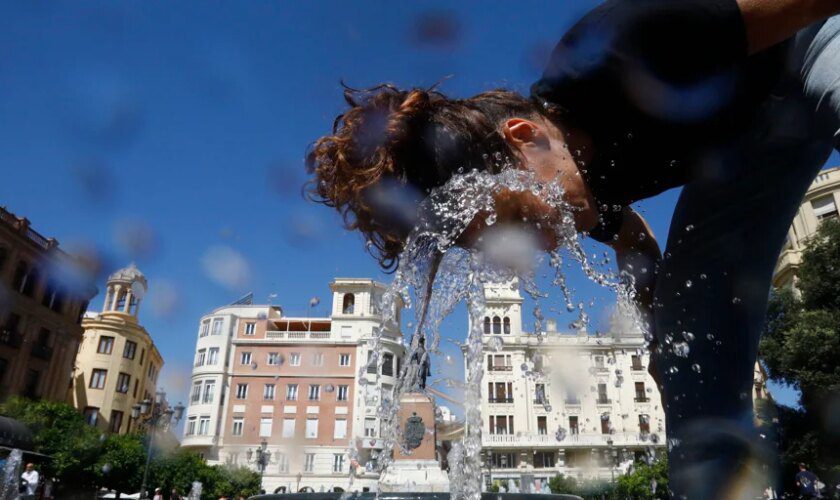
[[585, 488], [645, 481], [801, 348], [121, 462], [180, 469]]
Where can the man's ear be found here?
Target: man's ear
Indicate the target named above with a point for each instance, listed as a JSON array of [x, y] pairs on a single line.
[[521, 134]]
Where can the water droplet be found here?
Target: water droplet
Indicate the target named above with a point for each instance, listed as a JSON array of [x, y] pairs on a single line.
[[688, 336], [710, 336], [688, 284], [696, 367], [681, 349], [703, 276], [689, 228], [491, 219], [673, 369]]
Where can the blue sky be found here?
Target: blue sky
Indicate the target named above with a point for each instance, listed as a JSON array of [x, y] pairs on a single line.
[[172, 133]]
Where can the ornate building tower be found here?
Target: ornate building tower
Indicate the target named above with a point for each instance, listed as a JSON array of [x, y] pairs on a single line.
[[118, 363]]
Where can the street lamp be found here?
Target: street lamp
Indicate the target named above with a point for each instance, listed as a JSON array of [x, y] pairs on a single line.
[[612, 456], [155, 413], [262, 458]]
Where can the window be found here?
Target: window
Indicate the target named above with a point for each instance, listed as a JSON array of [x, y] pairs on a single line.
[[640, 392], [142, 355], [116, 421], [501, 424], [348, 304], [191, 426], [502, 460], [314, 392], [311, 428], [318, 359], [209, 388], [599, 361], [217, 327], [636, 362], [605, 423], [97, 378], [602, 394], [199, 357], [644, 424], [204, 425], [106, 345], [497, 325], [341, 395], [130, 349], [388, 364], [338, 462], [241, 391], [539, 394], [123, 382], [500, 392], [21, 274], [573, 425], [245, 358], [195, 395], [91, 415], [291, 392], [265, 427], [205, 328], [340, 430], [370, 427], [282, 462], [544, 459], [288, 427], [268, 391], [294, 359], [30, 389], [542, 425], [486, 325], [31, 283], [238, 426], [213, 356], [343, 360], [250, 328], [121, 301], [273, 359], [506, 325], [371, 364], [824, 207], [309, 462]]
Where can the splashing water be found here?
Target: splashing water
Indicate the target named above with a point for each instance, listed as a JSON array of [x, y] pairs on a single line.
[[9, 481], [434, 276]]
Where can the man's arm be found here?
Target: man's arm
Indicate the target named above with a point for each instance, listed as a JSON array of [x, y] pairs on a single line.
[[768, 22], [638, 254]]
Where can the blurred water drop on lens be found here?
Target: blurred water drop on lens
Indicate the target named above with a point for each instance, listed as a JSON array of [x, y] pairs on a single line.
[[736, 300], [681, 349], [437, 29], [314, 301], [226, 267], [696, 367]]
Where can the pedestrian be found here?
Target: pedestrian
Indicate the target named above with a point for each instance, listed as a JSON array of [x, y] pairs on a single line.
[[807, 483], [737, 101], [174, 495], [158, 494], [31, 476]]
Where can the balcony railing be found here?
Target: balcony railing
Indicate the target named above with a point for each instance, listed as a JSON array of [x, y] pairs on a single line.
[[11, 338], [637, 367], [603, 401], [541, 401], [642, 399], [42, 351], [572, 401], [571, 440], [276, 335], [501, 368], [500, 400]]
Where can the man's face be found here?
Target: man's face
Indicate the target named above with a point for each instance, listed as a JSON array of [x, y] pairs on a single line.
[[30, 467]]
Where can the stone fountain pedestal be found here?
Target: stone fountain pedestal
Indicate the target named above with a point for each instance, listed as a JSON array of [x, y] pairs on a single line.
[[418, 471]]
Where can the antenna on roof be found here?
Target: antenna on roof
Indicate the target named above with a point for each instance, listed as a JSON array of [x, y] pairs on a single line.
[[245, 300]]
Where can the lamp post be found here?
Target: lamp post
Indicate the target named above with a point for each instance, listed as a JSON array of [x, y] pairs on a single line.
[[612, 456], [261, 458], [155, 413]]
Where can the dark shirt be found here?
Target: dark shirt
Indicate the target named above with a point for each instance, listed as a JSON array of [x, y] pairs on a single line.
[[807, 482], [655, 84]]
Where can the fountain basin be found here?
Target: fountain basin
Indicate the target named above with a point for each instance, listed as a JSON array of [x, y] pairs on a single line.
[[409, 496]]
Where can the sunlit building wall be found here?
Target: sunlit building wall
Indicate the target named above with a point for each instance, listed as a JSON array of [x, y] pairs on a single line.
[[292, 383], [42, 299], [567, 403], [821, 202], [118, 364]]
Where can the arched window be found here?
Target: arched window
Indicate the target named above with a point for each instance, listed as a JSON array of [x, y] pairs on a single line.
[[497, 325], [487, 325], [506, 326], [349, 303], [132, 305], [32, 280], [121, 301], [21, 275]]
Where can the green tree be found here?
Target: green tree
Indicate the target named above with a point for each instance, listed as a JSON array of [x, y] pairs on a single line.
[[801, 348], [589, 489], [60, 432], [234, 481], [121, 462], [645, 481], [180, 469]]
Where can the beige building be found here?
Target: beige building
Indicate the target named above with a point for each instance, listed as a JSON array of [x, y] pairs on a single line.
[[820, 203], [292, 386], [42, 299], [118, 363]]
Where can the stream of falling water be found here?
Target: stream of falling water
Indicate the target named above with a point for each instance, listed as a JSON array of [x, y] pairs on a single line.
[[434, 276]]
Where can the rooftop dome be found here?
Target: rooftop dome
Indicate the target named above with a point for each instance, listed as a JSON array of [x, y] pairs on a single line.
[[129, 274]]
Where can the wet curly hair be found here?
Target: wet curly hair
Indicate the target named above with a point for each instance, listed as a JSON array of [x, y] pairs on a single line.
[[417, 138]]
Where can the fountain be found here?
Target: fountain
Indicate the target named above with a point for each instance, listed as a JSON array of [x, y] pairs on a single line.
[[195, 491], [10, 485]]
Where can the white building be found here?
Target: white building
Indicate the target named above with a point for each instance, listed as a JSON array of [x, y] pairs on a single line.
[[290, 386], [567, 403]]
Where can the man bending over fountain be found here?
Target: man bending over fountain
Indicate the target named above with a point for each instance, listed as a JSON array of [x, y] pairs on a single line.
[[736, 100]]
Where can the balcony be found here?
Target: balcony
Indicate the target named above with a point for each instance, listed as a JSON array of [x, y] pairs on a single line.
[[541, 401], [573, 401], [11, 338], [500, 368], [42, 351], [500, 400], [284, 335], [603, 401], [571, 440], [641, 399], [637, 367]]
